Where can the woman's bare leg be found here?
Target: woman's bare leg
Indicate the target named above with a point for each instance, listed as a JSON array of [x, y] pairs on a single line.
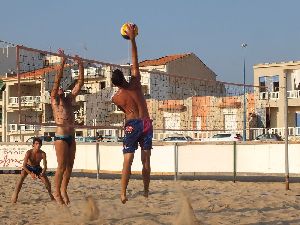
[[61, 148], [68, 172]]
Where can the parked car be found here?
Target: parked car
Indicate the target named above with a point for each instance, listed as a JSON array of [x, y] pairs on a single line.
[[268, 137], [225, 137], [178, 138], [109, 139], [43, 138], [85, 139]]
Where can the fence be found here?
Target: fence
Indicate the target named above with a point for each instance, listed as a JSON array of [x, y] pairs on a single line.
[[172, 159]]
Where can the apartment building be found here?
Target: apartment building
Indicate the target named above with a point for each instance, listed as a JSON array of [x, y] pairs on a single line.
[[35, 107], [277, 82]]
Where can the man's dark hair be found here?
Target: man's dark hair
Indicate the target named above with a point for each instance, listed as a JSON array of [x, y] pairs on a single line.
[[37, 139], [118, 78]]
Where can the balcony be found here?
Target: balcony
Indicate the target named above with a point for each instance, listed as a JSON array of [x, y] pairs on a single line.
[[80, 98], [47, 97], [269, 95], [28, 101], [274, 95], [23, 127], [90, 72], [293, 94]]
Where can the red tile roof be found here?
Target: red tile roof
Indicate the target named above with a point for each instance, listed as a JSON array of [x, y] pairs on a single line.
[[35, 73], [163, 60]]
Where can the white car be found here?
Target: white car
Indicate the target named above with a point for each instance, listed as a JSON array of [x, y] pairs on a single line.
[[178, 139], [225, 137], [268, 137]]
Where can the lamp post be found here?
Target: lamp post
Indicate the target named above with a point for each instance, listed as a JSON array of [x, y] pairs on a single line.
[[244, 46]]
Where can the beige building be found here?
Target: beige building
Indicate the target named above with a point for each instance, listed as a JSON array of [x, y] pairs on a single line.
[[187, 65], [272, 79]]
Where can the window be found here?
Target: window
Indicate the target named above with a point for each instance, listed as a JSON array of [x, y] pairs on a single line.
[[145, 89], [46, 63], [276, 83], [269, 83], [262, 84], [102, 85]]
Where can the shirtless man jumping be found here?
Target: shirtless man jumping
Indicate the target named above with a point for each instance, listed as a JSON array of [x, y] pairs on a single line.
[[31, 166], [138, 127], [65, 145]]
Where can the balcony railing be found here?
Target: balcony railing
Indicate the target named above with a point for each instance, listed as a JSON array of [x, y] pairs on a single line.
[[269, 95], [23, 127], [25, 100], [293, 94], [80, 98], [275, 95]]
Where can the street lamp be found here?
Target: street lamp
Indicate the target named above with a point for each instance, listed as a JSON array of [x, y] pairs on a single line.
[[244, 46]]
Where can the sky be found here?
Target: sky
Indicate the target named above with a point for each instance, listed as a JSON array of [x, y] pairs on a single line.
[[212, 29]]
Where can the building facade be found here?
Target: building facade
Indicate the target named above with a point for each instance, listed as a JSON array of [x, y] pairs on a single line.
[[278, 82]]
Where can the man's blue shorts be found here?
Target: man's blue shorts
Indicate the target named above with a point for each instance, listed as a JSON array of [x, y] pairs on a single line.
[[37, 170], [137, 131]]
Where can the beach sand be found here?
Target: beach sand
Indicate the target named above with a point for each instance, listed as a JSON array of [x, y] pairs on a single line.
[[181, 202]]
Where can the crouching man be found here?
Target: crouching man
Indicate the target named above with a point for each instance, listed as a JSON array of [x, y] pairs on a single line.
[[31, 166]]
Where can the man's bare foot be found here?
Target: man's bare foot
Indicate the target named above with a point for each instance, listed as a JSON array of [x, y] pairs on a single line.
[[146, 193], [65, 197], [14, 198], [124, 199], [58, 199]]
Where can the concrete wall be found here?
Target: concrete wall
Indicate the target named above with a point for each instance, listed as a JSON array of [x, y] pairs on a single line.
[[199, 158]]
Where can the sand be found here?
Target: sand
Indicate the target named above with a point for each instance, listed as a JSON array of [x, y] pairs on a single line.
[[182, 202]]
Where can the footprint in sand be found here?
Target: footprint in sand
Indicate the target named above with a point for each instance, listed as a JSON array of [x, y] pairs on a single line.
[[186, 215], [92, 211]]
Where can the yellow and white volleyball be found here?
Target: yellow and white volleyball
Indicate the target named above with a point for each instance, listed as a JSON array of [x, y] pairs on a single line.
[[125, 27]]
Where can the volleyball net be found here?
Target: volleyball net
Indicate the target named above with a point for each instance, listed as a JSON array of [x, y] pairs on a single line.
[[177, 103]]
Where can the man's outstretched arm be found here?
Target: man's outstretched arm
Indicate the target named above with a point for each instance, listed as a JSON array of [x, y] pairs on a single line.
[[80, 80], [135, 72], [58, 75]]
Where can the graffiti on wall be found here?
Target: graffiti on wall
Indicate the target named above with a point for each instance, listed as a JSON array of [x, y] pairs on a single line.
[[12, 155]]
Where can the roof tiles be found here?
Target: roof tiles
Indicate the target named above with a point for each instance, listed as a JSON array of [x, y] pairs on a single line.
[[162, 61]]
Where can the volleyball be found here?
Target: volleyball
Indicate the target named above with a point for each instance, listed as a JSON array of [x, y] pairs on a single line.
[[124, 29]]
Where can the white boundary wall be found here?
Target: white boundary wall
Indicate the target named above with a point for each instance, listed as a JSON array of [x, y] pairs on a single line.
[[198, 158]]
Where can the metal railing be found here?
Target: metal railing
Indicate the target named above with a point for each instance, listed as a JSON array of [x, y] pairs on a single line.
[[275, 94], [25, 100], [23, 127], [293, 94]]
